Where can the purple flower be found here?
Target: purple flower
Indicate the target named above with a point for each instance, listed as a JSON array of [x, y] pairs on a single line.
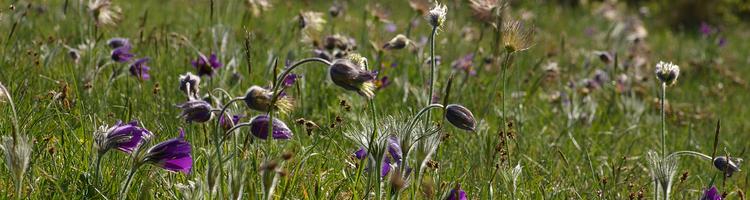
[[722, 42], [118, 42], [394, 148], [382, 82], [460, 117], [465, 64], [290, 79], [226, 125], [196, 111], [123, 137], [706, 29], [122, 54], [361, 153], [206, 66], [711, 194], [259, 128], [391, 27], [457, 194], [140, 69], [385, 167], [173, 154]]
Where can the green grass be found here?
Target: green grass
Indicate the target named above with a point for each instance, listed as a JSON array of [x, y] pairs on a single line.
[[610, 163]]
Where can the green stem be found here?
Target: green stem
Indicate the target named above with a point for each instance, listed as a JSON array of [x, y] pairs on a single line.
[[126, 186], [432, 70], [663, 121]]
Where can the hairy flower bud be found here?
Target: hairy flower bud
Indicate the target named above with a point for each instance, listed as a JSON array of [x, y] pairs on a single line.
[[398, 42], [351, 75], [258, 98], [460, 117]]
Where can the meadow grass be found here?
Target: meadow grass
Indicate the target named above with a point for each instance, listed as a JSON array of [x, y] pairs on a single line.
[[570, 143]]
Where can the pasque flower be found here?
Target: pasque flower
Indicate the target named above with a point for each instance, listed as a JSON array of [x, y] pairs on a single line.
[[123, 137], [667, 72], [173, 154], [711, 194], [436, 16], [727, 165], [122, 54], [259, 128], [350, 74], [457, 194], [206, 65], [196, 111], [260, 99], [115, 43], [140, 69], [460, 117], [189, 84]]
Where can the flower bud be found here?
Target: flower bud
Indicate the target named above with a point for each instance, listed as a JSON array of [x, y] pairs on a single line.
[[398, 42], [196, 111], [460, 117], [259, 128], [728, 166], [115, 43], [258, 98], [350, 75], [667, 72]]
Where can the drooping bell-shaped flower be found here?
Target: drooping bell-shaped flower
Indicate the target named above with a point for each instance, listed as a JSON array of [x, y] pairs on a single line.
[[123, 137], [173, 154], [711, 194], [460, 117], [457, 194], [258, 98], [189, 84], [196, 111], [728, 166], [117, 42], [350, 74], [259, 128]]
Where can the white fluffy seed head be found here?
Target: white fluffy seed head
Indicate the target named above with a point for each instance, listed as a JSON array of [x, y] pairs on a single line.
[[436, 16]]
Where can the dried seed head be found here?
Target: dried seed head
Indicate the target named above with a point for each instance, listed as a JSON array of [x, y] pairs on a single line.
[[516, 37], [728, 166], [398, 42], [350, 74], [460, 117], [260, 99], [436, 16], [667, 72], [104, 12]]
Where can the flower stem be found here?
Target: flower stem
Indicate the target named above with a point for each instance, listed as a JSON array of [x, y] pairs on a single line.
[[432, 69], [126, 186], [663, 121]]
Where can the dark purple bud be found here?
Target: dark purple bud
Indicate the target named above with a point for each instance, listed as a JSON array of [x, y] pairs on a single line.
[[173, 154], [196, 111], [711, 194], [122, 54], [115, 43], [123, 137], [460, 117], [140, 69], [259, 128], [722, 42], [728, 166]]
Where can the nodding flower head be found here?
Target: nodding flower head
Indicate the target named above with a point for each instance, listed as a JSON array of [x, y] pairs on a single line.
[[189, 84], [460, 117], [436, 16], [196, 111], [667, 72], [206, 65], [115, 43], [173, 155], [711, 194], [123, 137], [122, 54], [259, 128], [516, 36], [457, 194], [728, 166], [398, 42], [258, 98], [350, 74], [140, 69]]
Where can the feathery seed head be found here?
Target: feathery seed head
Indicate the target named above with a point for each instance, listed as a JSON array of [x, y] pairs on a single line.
[[516, 36], [667, 72], [436, 16]]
